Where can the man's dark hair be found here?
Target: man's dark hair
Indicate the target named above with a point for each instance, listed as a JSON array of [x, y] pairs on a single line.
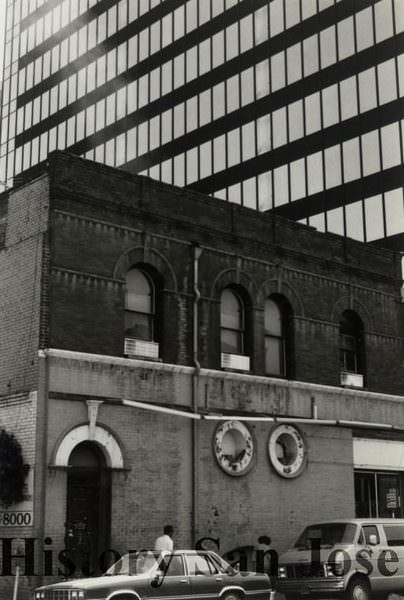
[[264, 539], [168, 530]]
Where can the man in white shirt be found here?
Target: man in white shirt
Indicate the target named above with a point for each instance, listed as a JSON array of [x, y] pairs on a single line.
[[165, 541]]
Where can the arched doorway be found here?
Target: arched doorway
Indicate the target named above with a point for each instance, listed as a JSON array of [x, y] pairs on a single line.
[[88, 508]]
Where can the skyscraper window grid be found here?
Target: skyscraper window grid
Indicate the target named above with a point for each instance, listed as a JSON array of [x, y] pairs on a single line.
[[293, 106]]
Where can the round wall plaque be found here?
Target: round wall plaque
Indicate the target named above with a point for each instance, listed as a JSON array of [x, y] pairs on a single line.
[[234, 447], [287, 450]]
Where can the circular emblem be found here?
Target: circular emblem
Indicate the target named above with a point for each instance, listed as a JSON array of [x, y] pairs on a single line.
[[234, 447], [287, 450]]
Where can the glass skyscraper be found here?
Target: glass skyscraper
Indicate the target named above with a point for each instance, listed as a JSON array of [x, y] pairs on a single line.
[[291, 105]]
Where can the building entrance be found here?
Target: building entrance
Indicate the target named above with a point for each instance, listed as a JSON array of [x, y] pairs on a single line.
[[87, 532]]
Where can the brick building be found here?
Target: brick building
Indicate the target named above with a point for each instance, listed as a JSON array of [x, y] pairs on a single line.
[[170, 358]]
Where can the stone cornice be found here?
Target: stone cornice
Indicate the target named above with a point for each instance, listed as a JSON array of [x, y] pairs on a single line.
[[242, 378]]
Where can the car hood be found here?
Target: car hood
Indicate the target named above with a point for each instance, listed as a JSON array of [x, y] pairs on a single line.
[[95, 582], [305, 556]]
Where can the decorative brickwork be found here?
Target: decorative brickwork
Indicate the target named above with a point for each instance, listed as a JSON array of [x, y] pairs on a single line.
[[71, 237], [112, 221]]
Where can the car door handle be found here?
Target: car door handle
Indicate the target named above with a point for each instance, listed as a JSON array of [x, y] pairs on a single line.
[[219, 578], [183, 580]]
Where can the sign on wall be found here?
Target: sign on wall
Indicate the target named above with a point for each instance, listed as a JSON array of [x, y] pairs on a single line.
[[392, 499], [378, 454], [21, 514]]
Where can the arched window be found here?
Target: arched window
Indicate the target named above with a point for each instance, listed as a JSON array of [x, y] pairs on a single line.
[[232, 319], [139, 305], [276, 323], [351, 337]]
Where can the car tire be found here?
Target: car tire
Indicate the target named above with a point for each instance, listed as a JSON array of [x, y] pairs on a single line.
[[358, 589], [232, 596], [292, 597]]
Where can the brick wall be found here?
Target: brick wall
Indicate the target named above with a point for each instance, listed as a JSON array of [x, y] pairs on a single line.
[[114, 220], [24, 244], [21, 264], [154, 489], [155, 486], [240, 509], [63, 288]]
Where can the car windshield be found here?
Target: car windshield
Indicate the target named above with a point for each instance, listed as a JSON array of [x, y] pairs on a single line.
[[328, 535], [135, 563]]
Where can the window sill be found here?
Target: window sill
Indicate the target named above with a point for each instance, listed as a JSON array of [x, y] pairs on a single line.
[[141, 357]]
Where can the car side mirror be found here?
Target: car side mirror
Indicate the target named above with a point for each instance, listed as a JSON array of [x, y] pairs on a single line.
[[157, 579], [372, 539]]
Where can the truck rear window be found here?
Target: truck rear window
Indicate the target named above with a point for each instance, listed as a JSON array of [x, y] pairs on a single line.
[[327, 534]]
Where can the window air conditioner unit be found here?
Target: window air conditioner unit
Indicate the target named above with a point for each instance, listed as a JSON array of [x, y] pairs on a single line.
[[235, 361], [352, 379], [140, 348]]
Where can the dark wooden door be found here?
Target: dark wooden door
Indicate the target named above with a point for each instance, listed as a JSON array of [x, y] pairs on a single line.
[[88, 509]]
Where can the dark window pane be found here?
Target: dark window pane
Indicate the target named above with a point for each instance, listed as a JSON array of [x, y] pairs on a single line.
[[231, 312], [272, 318], [138, 325], [349, 361], [273, 356], [350, 341], [138, 292], [365, 495], [139, 305], [230, 341]]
